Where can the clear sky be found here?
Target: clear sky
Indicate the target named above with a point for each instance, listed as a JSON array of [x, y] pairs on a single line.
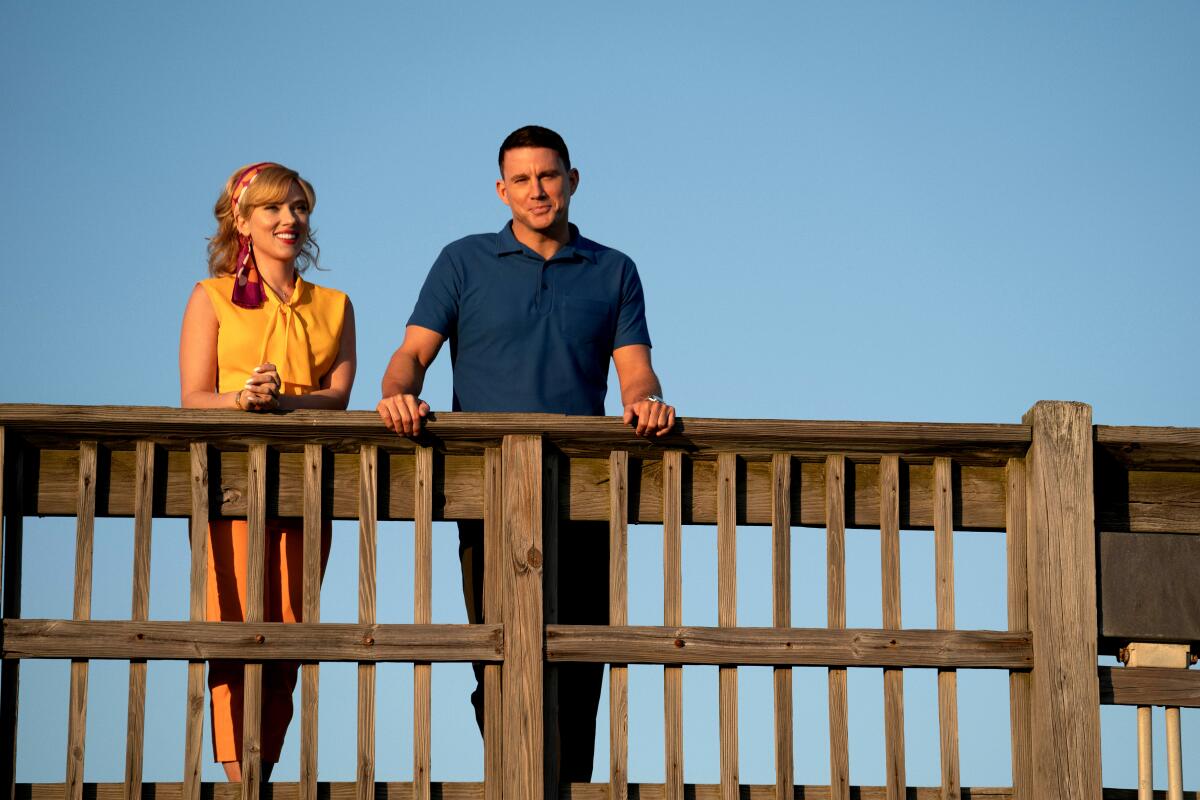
[[919, 211]]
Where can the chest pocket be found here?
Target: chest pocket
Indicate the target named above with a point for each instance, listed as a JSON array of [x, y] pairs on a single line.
[[585, 320]]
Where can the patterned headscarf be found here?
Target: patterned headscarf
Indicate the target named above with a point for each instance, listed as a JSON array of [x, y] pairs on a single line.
[[247, 286]]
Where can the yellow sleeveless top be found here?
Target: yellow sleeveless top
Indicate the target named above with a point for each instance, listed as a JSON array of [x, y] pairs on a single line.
[[300, 337]]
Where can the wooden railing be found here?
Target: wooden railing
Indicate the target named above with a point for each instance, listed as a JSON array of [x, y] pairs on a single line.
[[1050, 484]]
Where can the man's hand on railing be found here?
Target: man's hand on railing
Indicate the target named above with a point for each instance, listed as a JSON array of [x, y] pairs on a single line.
[[403, 413], [650, 417]]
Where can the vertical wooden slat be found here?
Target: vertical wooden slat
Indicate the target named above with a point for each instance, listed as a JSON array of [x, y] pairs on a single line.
[[943, 543], [835, 554], [1145, 748], [1062, 601], [193, 742], [523, 675], [1019, 687], [618, 682], [781, 616], [368, 515], [12, 515], [422, 615], [727, 617], [673, 616], [551, 731], [493, 612], [893, 679], [256, 558], [1174, 754], [82, 610], [310, 674], [143, 519]]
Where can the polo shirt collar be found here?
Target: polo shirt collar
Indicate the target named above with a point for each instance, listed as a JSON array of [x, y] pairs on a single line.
[[576, 247]]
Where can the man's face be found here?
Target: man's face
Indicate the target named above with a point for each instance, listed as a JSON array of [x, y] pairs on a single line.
[[538, 189]]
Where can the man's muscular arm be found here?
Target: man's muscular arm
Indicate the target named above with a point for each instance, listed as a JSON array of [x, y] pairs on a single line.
[[402, 409], [638, 382]]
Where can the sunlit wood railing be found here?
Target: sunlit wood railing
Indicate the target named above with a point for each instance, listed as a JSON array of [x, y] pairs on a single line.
[[1050, 485]]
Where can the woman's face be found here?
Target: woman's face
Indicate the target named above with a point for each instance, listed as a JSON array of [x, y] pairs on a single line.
[[278, 231]]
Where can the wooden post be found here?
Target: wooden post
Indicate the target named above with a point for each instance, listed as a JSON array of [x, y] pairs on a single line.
[[84, 529], [311, 612], [893, 679], [943, 535], [422, 615], [1062, 602], [618, 674], [11, 491], [256, 575], [1020, 688], [493, 612], [523, 630], [139, 611], [672, 494], [835, 555], [368, 516], [198, 599], [551, 732], [781, 616]]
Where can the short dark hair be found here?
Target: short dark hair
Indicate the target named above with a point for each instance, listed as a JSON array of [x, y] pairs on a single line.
[[534, 136]]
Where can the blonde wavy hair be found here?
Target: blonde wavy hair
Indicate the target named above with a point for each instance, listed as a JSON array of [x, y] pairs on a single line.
[[270, 186]]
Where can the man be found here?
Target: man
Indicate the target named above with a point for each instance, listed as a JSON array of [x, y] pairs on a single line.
[[533, 314]]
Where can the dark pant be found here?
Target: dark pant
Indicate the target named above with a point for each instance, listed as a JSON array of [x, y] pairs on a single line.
[[582, 600]]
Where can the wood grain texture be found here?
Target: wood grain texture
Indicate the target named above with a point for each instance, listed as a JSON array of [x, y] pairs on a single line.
[[256, 567], [457, 432], [140, 611], [835, 565], [310, 673], [893, 679], [943, 545], [82, 610], [797, 647], [368, 510], [493, 613], [11, 546], [551, 731], [672, 516], [781, 616], [262, 641], [1020, 688], [574, 791], [422, 615], [197, 600], [1062, 601], [1149, 686], [727, 618], [523, 674], [618, 601]]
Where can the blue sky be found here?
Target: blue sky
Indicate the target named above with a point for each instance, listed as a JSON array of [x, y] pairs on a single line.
[[922, 211]]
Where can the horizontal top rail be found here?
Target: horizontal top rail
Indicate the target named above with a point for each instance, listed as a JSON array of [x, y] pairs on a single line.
[[57, 425], [1145, 447]]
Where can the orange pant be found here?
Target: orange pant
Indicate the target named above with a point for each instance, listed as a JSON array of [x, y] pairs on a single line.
[[283, 599]]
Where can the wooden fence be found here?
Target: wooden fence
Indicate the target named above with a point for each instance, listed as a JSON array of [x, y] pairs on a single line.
[[1050, 484]]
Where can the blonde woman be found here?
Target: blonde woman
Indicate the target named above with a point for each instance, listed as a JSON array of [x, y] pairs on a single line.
[[258, 337]]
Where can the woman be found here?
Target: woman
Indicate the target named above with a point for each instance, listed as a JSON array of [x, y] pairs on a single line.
[[257, 337]]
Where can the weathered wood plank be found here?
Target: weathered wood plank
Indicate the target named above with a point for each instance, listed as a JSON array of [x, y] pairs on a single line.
[[727, 618], [552, 740], [1149, 686], [450, 432], [263, 641], [781, 616], [12, 517], [422, 615], [672, 516], [81, 610], [835, 564], [140, 611], [368, 514], [618, 600], [523, 673], [310, 673], [1145, 447], [256, 567], [943, 525], [1062, 601], [797, 647], [197, 601], [893, 679], [1144, 500], [493, 613], [1020, 698], [584, 496]]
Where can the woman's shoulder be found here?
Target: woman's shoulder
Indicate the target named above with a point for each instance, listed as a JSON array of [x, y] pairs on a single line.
[[326, 294]]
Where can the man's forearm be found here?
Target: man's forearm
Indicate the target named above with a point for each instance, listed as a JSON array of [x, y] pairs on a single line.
[[404, 375], [640, 387]]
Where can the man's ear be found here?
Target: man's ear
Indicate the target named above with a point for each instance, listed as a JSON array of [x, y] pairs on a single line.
[[502, 191], [573, 176]]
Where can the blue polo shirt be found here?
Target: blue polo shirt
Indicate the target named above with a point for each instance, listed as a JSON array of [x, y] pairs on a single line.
[[529, 334]]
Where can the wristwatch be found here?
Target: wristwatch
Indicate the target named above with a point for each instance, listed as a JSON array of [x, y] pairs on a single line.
[[653, 398]]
